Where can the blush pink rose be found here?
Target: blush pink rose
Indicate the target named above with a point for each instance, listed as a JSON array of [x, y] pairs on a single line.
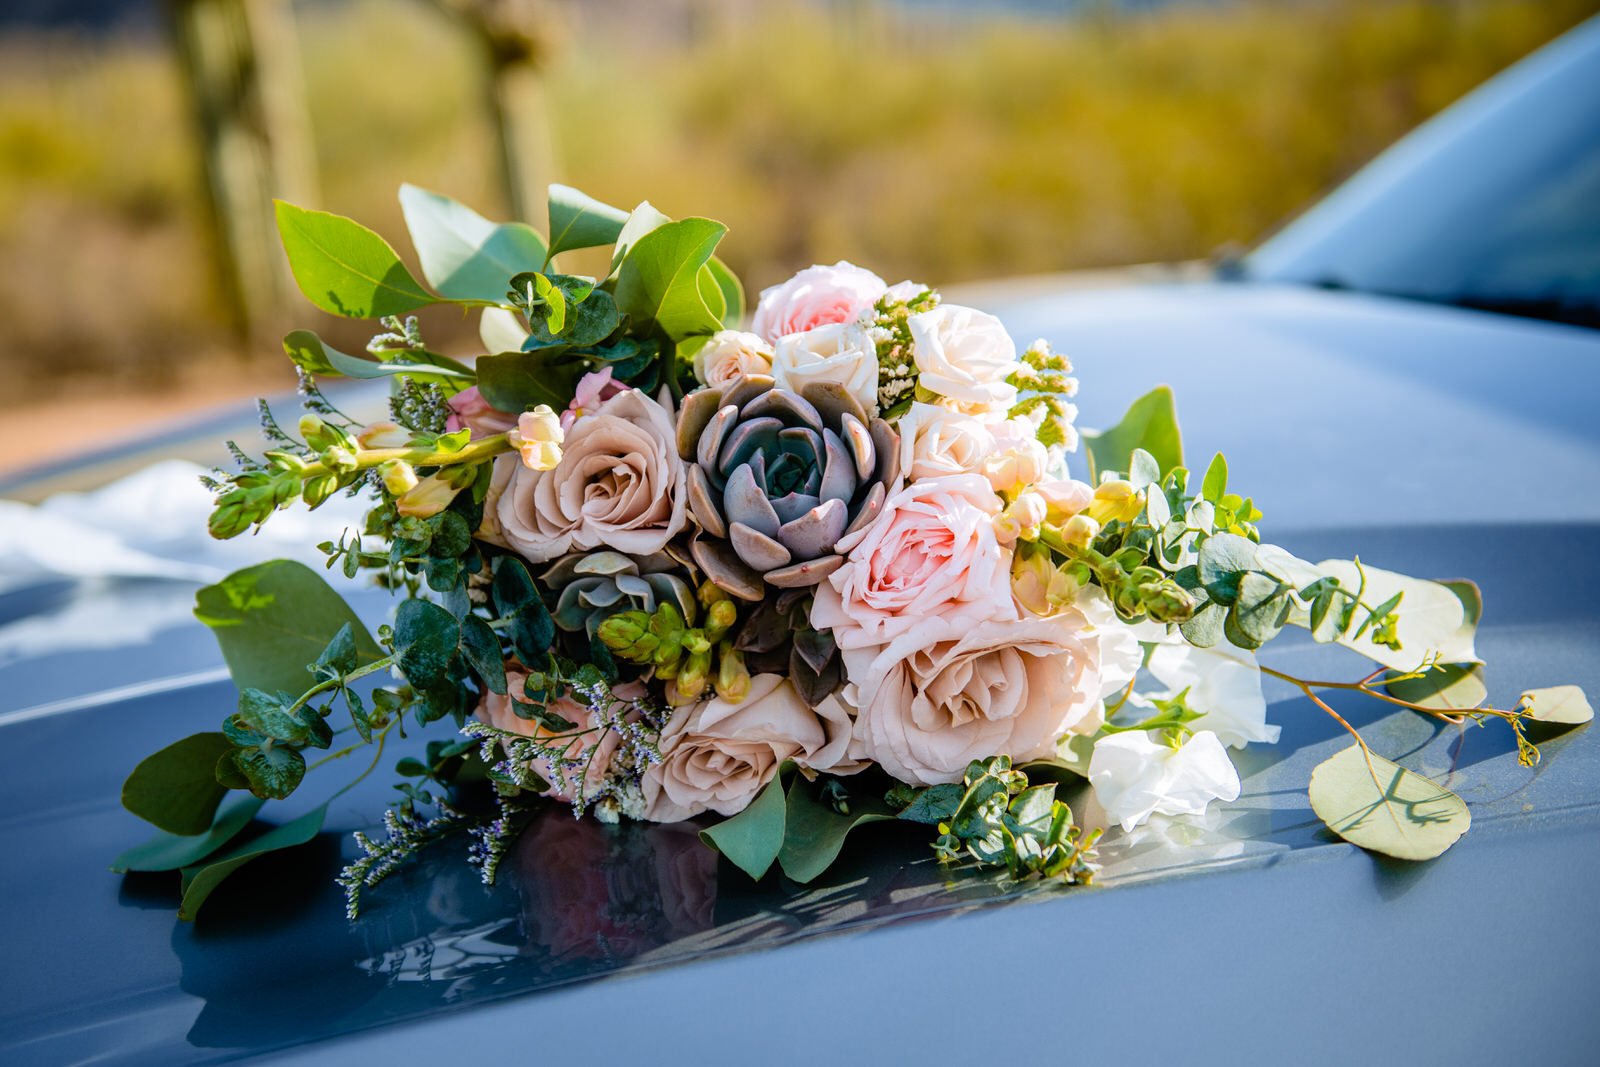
[[499, 712], [816, 297], [930, 555], [469, 409], [942, 695]]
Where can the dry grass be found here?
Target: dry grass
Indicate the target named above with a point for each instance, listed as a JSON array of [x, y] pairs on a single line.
[[943, 151]]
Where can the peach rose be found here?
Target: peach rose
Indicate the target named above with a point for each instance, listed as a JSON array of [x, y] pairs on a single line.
[[619, 484], [499, 712], [1018, 458], [716, 756], [965, 356], [930, 555], [816, 297], [942, 695], [731, 354]]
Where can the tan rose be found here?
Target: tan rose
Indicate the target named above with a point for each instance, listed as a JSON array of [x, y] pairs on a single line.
[[941, 696], [716, 756], [619, 484], [731, 354]]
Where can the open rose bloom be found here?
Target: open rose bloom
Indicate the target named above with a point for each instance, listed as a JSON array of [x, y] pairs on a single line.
[[842, 556]]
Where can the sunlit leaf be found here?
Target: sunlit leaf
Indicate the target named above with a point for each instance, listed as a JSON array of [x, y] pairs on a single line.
[[1560, 704], [1151, 423], [1385, 808], [344, 268]]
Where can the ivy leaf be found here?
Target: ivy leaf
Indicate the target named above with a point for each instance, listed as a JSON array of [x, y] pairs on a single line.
[[344, 268], [273, 619], [168, 852], [176, 789], [272, 773], [1563, 705], [1386, 808], [464, 255], [1151, 423], [814, 833], [200, 881], [316, 356], [426, 636], [578, 220], [753, 838], [518, 381], [658, 282]]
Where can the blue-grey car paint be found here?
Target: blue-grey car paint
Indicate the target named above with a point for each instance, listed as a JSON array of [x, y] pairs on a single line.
[[1258, 939]]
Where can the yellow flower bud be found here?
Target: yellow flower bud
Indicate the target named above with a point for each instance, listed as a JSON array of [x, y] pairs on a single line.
[[428, 497], [1031, 572], [1080, 530], [1115, 501], [538, 437], [399, 478]]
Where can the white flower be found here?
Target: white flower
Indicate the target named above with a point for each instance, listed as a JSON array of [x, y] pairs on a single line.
[[965, 355], [538, 436], [906, 291], [730, 354], [1135, 776], [1224, 685], [840, 352], [936, 441]]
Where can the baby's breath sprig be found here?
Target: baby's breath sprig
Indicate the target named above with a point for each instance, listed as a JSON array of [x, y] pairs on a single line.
[[897, 370]]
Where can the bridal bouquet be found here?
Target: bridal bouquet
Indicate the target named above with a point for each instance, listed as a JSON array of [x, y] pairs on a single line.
[[852, 563]]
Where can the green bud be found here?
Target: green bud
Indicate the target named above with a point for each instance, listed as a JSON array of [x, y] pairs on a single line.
[[318, 434], [316, 490], [338, 458], [399, 477], [720, 618], [1166, 601], [622, 631], [733, 679], [232, 516], [695, 672]]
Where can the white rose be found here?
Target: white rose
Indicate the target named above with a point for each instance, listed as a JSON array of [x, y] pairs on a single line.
[[1135, 776], [965, 356], [840, 352], [731, 354], [935, 442]]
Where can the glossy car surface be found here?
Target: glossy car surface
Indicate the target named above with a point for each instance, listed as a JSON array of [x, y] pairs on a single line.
[[1254, 936]]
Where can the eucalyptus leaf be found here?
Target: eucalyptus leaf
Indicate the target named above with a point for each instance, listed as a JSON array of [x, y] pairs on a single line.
[[344, 268], [658, 281], [464, 255], [1151, 423], [814, 833], [1224, 560], [1261, 608], [1382, 807], [578, 220], [426, 636], [1433, 618], [316, 356], [200, 881], [482, 648], [176, 789], [272, 773], [168, 852], [753, 838], [934, 804], [273, 619], [1449, 687], [1563, 705]]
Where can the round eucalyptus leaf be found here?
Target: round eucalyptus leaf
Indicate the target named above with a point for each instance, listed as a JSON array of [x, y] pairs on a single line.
[[1382, 807]]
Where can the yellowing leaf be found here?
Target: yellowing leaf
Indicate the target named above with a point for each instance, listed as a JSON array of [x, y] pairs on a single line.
[[1382, 807], [1562, 704]]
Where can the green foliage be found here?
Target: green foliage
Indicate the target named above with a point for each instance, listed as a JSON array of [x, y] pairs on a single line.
[[587, 315], [273, 619], [1002, 820], [753, 838], [814, 831], [168, 852], [426, 637], [1561, 705], [200, 881], [1450, 687], [577, 220], [344, 268], [521, 381], [658, 282], [464, 255], [730, 288], [271, 772], [516, 599], [1151, 423], [1434, 626], [1382, 807], [176, 789], [315, 356]]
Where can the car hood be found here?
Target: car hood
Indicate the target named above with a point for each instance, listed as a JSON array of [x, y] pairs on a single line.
[[1392, 430]]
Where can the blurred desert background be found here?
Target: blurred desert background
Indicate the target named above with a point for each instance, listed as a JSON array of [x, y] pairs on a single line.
[[942, 141]]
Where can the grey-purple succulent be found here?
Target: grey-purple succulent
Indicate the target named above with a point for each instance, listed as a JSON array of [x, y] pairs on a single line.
[[591, 587], [777, 477]]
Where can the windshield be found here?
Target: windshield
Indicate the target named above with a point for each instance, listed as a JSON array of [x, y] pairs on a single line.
[[1494, 204]]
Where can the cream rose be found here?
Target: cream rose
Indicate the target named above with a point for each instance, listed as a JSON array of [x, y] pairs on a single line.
[[498, 711], [842, 353], [816, 297], [943, 695], [930, 556], [717, 755], [619, 484], [964, 355], [936, 441], [731, 354]]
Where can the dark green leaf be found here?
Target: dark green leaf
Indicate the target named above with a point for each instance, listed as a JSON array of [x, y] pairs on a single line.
[[753, 838], [518, 381], [274, 619], [1151, 423], [266, 715], [176, 788], [588, 324], [199, 882], [482, 648], [344, 268], [168, 852], [935, 804], [580, 221], [426, 637], [814, 833], [340, 657], [272, 773], [464, 255]]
